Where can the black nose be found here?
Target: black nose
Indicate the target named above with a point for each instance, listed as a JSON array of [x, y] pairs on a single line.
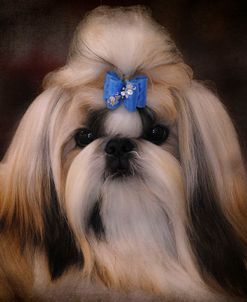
[[119, 147], [118, 151]]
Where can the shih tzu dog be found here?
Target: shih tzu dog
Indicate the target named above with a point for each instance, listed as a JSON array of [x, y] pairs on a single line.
[[124, 180]]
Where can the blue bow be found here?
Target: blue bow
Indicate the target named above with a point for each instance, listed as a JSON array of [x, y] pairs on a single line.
[[130, 92]]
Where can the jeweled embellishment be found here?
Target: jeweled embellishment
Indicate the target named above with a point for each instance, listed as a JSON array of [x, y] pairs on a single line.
[[128, 90], [113, 100], [125, 93]]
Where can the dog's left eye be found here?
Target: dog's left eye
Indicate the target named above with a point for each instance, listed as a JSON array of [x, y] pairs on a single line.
[[83, 137], [157, 134]]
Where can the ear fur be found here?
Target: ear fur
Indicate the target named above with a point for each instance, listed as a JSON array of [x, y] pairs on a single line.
[[26, 171], [216, 188], [29, 206]]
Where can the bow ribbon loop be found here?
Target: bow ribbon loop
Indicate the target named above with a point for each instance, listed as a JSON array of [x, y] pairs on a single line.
[[132, 93]]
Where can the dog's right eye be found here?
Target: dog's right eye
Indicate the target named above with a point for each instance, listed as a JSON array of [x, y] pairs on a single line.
[[83, 137]]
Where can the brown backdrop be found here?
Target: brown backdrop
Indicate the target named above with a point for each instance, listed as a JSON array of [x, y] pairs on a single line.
[[35, 36]]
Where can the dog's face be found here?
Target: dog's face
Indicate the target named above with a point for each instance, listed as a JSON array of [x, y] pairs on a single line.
[[150, 199], [122, 178]]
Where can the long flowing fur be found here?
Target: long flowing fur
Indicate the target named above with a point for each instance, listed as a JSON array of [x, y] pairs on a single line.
[[215, 178], [174, 230]]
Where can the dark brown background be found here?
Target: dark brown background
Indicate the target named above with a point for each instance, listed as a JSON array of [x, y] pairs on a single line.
[[35, 35]]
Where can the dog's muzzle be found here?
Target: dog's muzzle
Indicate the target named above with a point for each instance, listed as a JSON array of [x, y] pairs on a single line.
[[118, 154]]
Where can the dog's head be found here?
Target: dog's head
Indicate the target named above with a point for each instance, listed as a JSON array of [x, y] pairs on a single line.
[[141, 198]]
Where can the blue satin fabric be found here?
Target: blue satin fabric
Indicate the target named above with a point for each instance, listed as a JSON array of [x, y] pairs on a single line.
[[132, 93]]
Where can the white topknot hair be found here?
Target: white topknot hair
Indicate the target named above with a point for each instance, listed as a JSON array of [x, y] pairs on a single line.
[[125, 39]]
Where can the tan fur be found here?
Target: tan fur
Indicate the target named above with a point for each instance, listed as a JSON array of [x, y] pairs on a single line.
[[16, 279], [224, 155]]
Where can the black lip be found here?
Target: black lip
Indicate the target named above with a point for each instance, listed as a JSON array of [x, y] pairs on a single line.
[[121, 172], [119, 166]]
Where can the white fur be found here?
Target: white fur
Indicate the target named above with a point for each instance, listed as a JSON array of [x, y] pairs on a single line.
[[120, 122]]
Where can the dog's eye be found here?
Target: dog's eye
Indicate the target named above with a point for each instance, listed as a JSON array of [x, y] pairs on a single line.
[[84, 137], [157, 134]]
